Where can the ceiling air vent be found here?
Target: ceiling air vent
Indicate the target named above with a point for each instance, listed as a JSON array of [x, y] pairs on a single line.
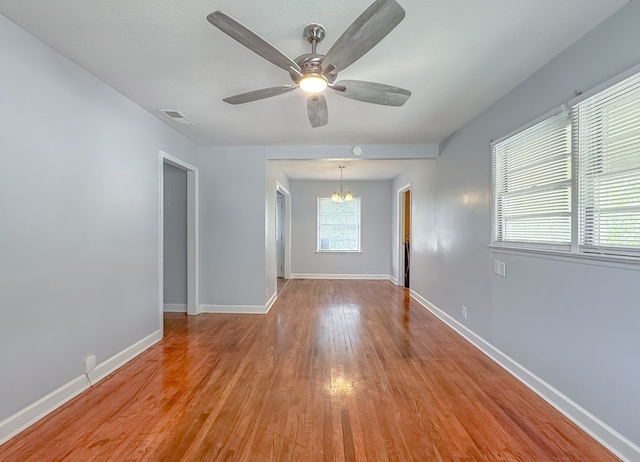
[[176, 116]]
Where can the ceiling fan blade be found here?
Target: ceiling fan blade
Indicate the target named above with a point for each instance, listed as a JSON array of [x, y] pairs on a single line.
[[371, 92], [317, 110], [259, 94], [249, 39], [371, 26]]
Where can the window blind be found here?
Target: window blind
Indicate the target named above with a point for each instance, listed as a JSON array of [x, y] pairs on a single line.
[[608, 142], [338, 225], [532, 185]]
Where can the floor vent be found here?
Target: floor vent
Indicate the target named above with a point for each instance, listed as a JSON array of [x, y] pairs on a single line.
[[176, 116]]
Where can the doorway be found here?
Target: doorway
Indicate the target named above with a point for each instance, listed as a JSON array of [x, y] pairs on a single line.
[[404, 236], [283, 233], [190, 217], [174, 239], [280, 234]]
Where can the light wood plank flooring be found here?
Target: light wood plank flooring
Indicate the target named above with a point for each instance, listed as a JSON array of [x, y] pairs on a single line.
[[337, 371]]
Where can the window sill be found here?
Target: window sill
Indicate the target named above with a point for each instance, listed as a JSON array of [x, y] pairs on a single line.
[[339, 251], [613, 261]]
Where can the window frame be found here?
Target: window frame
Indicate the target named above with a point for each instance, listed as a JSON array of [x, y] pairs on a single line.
[[600, 167], [561, 111], [356, 199], [629, 257]]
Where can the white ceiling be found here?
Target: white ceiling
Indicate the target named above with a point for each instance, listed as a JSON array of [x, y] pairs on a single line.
[[456, 56]]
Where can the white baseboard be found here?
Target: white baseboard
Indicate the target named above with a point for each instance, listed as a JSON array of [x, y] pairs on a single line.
[[339, 276], [240, 309], [174, 307], [235, 309], [393, 279], [29, 415], [271, 301], [618, 444]]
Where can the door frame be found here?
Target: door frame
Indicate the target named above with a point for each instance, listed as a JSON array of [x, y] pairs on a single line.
[[193, 269], [400, 231], [279, 233], [287, 229]]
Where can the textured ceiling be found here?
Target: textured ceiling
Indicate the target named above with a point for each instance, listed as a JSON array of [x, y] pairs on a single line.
[[456, 56]]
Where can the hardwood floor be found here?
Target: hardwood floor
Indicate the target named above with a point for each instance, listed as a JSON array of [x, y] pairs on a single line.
[[338, 370], [281, 283]]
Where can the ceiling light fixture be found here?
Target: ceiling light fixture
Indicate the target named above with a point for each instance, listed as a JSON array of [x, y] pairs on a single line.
[[313, 83], [341, 195]]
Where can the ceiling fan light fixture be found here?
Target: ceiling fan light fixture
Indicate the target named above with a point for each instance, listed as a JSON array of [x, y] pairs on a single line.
[[313, 83]]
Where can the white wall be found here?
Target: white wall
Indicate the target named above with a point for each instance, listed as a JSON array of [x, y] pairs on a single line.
[[572, 323], [375, 230], [175, 238], [80, 211]]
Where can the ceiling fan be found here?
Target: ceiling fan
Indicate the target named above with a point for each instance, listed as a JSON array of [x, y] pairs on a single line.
[[314, 72]]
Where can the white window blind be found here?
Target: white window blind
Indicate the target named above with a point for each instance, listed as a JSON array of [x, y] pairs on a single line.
[[608, 143], [338, 225], [532, 185]]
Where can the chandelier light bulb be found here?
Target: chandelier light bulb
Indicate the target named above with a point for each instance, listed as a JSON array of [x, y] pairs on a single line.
[[341, 195]]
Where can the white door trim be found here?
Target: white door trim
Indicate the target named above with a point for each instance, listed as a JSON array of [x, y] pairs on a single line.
[[287, 229], [400, 233], [193, 270]]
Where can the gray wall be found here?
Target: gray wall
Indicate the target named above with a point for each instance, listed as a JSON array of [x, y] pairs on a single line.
[[421, 175], [375, 230], [175, 236], [232, 226], [274, 175], [80, 211], [573, 323]]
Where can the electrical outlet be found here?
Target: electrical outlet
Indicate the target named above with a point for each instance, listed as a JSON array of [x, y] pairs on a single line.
[[464, 312], [499, 268]]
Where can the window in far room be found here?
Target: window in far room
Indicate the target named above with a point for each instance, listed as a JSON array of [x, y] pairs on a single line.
[[338, 225]]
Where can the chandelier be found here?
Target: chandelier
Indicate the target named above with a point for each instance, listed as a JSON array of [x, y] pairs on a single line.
[[341, 195]]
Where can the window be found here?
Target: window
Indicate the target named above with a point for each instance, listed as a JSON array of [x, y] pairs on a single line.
[[572, 181], [608, 128], [338, 225], [532, 185]]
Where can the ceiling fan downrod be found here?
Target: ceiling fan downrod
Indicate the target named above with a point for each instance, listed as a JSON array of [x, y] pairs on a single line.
[[314, 33]]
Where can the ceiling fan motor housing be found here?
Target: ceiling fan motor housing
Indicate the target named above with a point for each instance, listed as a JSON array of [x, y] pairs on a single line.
[[310, 64]]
